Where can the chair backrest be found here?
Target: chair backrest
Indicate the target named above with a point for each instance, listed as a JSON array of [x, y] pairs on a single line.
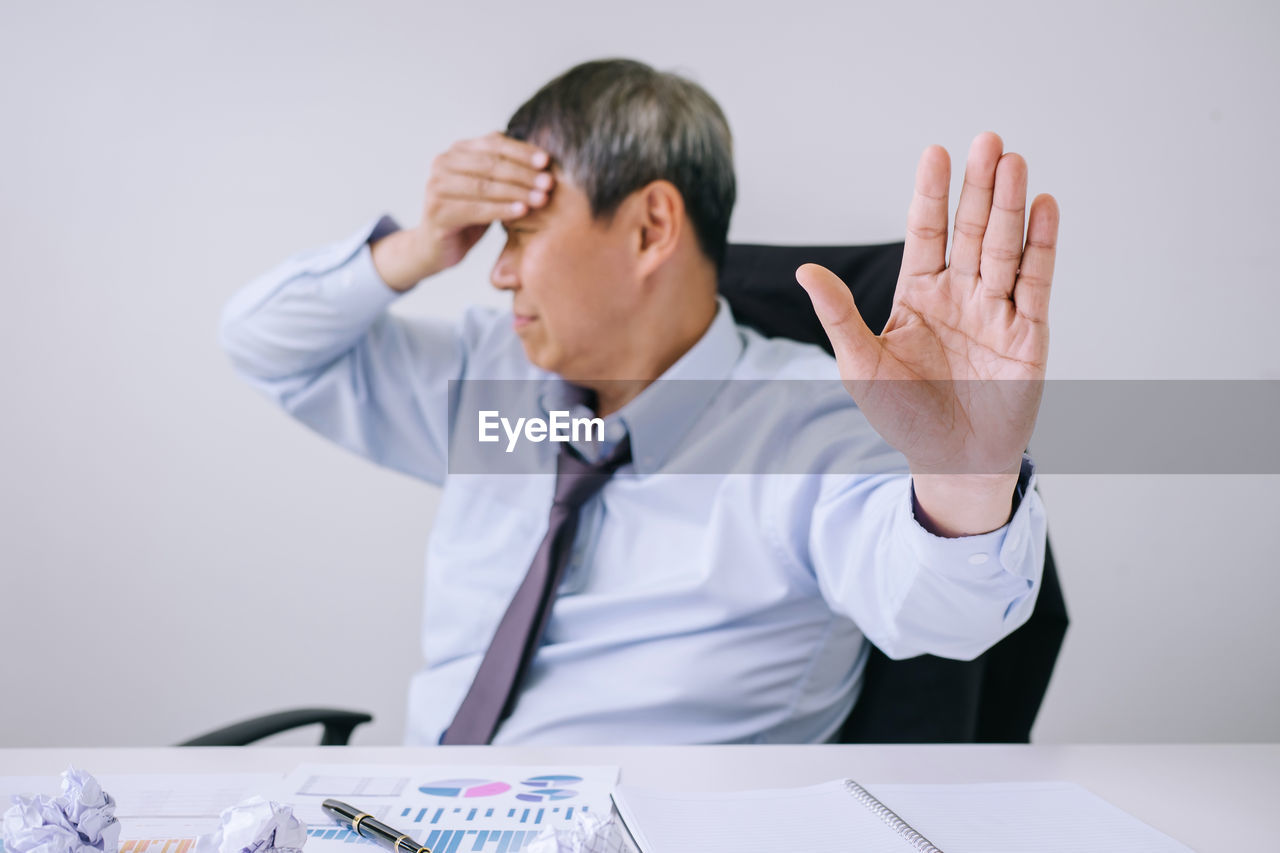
[[927, 699]]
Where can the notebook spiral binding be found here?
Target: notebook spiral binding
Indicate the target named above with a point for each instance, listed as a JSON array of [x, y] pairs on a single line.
[[886, 814]]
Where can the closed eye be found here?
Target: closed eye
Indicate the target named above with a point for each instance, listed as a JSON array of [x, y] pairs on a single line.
[[518, 234]]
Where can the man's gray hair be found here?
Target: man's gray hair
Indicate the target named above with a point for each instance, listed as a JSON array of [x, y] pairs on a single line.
[[615, 125]]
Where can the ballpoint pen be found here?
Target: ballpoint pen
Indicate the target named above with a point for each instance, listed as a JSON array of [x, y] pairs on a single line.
[[367, 826]]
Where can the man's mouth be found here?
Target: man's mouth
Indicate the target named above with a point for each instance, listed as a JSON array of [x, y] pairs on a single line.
[[519, 320]]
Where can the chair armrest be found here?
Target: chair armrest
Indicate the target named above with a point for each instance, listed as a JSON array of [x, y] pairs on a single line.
[[338, 726]]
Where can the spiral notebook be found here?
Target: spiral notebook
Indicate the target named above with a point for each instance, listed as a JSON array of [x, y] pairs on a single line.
[[844, 816]]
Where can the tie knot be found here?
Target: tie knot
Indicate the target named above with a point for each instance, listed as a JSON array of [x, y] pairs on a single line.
[[577, 479]]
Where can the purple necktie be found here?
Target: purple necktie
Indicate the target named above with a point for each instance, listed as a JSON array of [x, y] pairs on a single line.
[[493, 692]]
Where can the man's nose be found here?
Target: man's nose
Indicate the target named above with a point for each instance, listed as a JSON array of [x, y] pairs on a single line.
[[503, 275]]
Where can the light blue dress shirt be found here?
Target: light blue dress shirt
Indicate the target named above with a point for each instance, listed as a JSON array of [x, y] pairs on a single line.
[[696, 608]]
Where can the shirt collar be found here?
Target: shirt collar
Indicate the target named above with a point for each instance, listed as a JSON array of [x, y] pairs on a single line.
[[662, 414]]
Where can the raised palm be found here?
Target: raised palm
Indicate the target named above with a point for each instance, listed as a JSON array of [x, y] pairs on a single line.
[[954, 379]]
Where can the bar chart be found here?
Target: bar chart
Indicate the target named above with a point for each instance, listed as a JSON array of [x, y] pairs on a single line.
[[438, 840], [157, 845], [530, 816]]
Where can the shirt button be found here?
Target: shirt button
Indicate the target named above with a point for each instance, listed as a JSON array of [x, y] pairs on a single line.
[[979, 559]]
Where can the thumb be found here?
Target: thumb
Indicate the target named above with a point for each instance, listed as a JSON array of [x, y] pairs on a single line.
[[856, 347]]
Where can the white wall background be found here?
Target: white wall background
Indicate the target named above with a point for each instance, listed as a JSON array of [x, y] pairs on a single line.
[[177, 554]]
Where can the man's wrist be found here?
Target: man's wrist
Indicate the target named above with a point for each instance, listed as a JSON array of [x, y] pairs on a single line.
[[403, 258], [954, 505]]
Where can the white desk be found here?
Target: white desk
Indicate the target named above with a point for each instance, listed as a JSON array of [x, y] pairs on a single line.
[[1210, 797]]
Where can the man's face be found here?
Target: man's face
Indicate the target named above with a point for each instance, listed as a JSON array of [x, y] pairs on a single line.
[[573, 285]]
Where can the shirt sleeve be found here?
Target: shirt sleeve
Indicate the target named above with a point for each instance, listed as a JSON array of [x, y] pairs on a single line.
[[911, 592], [315, 335]]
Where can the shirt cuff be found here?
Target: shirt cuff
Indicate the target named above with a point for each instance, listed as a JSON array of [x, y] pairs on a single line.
[[1010, 547], [354, 285], [384, 226]]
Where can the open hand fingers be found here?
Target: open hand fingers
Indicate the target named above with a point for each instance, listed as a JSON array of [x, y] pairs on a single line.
[[494, 177], [515, 150], [925, 253], [481, 188], [493, 166], [1031, 292], [856, 346], [1002, 241], [974, 208]]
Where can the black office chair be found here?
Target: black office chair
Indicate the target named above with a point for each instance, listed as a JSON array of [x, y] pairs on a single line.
[[926, 699], [337, 727], [994, 698]]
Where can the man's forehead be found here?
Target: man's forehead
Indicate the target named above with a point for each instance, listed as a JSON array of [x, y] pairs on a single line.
[[558, 206], [533, 217]]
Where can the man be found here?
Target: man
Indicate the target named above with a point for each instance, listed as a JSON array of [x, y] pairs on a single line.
[[654, 605]]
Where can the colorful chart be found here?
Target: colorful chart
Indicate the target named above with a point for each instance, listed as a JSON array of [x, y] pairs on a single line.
[[551, 781], [548, 794], [157, 845], [449, 808], [444, 840], [548, 788], [435, 816], [464, 788]]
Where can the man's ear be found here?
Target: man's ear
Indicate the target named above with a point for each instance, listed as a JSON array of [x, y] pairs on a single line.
[[659, 222]]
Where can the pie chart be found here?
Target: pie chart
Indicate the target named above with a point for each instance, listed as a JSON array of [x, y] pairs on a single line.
[[547, 795], [551, 781], [548, 788], [464, 788]]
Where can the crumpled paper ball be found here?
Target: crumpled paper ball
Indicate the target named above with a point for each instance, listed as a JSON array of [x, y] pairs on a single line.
[[256, 825], [81, 819], [590, 834]]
